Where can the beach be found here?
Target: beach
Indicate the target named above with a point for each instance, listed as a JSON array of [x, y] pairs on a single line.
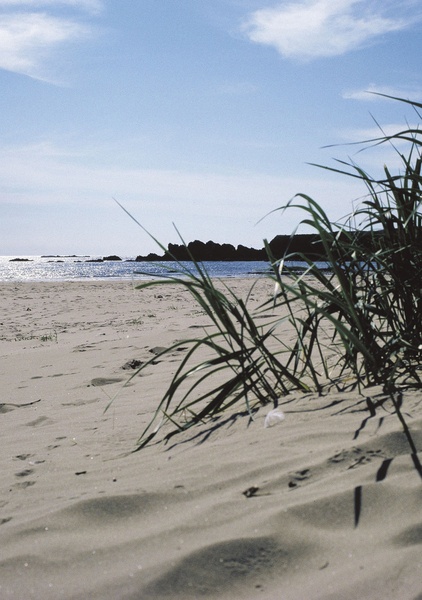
[[317, 507]]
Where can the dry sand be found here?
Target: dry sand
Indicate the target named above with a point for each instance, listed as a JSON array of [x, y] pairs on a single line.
[[81, 518]]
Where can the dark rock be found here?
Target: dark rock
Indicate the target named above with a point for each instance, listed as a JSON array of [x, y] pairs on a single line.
[[178, 252], [296, 246], [152, 257], [309, 245], [20, 260], [243, 253]]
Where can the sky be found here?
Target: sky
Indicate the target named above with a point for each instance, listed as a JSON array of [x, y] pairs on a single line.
[[199, 116]]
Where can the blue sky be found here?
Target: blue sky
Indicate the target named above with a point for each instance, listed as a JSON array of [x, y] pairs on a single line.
[[202, 113]]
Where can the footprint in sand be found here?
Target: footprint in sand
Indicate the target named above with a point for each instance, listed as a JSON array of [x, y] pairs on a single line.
[[132, 364], [39, 421], [299, 477], [356, 457], [157, 350], [83, 348], [24, 473], [24, 484], [23, 456], [8, 406], [101, 381], [80, 402]]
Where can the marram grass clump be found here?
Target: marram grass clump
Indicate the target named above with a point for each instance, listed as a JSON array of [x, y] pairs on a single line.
[[356, 324]]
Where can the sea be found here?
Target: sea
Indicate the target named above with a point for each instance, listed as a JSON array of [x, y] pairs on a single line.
[[83, 268]]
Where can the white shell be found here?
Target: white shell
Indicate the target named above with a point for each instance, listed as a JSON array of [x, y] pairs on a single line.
[[274, 417]]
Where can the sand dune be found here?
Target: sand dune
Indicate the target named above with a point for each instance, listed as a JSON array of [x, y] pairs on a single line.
[[317, 507]]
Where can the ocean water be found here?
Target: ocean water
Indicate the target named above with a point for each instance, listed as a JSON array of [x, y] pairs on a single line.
[[36, 268]]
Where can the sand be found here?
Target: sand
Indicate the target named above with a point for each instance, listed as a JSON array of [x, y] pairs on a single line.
[[249, 512]]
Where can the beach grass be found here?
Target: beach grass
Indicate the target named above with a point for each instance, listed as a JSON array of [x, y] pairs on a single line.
[[354, 325]]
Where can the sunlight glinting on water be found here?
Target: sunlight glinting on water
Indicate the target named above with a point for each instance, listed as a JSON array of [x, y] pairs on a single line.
[[33, 268]]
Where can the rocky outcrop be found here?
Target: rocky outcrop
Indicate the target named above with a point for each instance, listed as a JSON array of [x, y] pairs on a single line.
[[212, 251], [20, 260], [308, 245]]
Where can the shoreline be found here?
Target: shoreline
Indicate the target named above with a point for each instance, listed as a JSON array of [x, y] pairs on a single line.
[[83, 517]]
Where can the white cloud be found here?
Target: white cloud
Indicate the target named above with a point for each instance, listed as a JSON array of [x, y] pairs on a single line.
[[46, 179], [25, 39], [322, 28], [372, 133], [369, 94], [363, 147], [46, 174], [28, 37]]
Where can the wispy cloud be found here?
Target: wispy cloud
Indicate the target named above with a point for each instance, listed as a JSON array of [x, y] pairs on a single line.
[[46, 173], [363, 147], [28, 36], [41, 177], [376, 132], [322, 28], [372, 91]]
